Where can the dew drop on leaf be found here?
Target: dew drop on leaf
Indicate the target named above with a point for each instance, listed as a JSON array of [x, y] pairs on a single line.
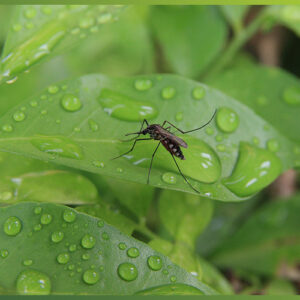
[[88, 241], [5, 196], [33, 282], [104, 18], [256, 141], [154, 263], [63, 258], [221, 148], [33, 103], [53, 89], [179, 116], [17, 27], [173, 278], [227, 119], [72, 248], [30, 12], [19, 116], [46, 219], [122, 246], [98, 164], [209, 131], [7, 128], [27, 262], [133, 252], [57, 236], [198, 93], [100, 223], [90, 277], [12, 226], [37, 227], [47, 10], [85, 256], [86, 22], [291, 95], [168, 93], [127, 271], [70, 103], [93, 125], [273, 145], [105, 236], [143, 84], [4, 253], [69, 216], [169, 178]]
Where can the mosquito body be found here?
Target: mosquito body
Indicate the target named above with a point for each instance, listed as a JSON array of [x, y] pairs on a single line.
[[169, 140]]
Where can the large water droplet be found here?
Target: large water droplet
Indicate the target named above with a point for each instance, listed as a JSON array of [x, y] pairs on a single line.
[[12, 226], [227, 119], [60, 146], [154, 263], [63, 258], [88, 241], [125, 108], [19, 116], [69, 216], [291, 95], [57, 236], [127, 271], [70, 102], [254, 170], [169, 178], [168, 92], [133, 252], [90, 276], [198, 93], [33, 282], [143, 84], [46, 219]]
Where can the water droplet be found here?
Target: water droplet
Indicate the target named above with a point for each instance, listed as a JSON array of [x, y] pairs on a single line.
[[256, 141], [94, 29], [90, 277], [33, 282], [33, 103], [69, 216], [53, 89], [44, 112], [37, 210], [169, 178], [227, 119], [198, 93], [209, 131], [58, 145], [57, 236], [30, 12], [72, 248], [5, 196], [291, 95], [127, 271], [105, 236], [143, 84], [37, 227], [273, 145], [4, 253], [88, 241], [104, 18], [119, 170], [125, 108], [168, 92], [12, 226], [100, 223], [46, 219], [179, 116], [86, 22], [133, 252], [63, 258], [93, 125], [221, 148], [85, 256], [79, 270], [13, 80], [17, 27], [7, 128], [71, 267], [27, 262], [154, 263], [254, 170], [165, 272], [173, 278], [219, 138], [122, 246], [70, 103], [47, 10], [98, 164]]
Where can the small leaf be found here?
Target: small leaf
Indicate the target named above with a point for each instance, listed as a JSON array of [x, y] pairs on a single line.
[[39, 31], [80, 125], [185, 216], [267, 239], [200, 35], [25, 179], [73, 253]]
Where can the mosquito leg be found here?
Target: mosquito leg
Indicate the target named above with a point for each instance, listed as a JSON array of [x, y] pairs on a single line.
[[183, 175], [152, 162], [132, 147], [192, 129], [138, 133]]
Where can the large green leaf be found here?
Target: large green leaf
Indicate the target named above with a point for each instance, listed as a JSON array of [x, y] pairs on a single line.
[[39, 31], [64, 251], [272, 93], [79, 123], [185, 216], [25, 179], [190, 36], [269, 238]]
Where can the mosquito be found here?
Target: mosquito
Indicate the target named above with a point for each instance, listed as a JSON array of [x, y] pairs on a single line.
[[169, 140]]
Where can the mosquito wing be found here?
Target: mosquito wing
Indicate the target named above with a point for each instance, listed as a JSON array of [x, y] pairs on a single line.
[[175, 139]]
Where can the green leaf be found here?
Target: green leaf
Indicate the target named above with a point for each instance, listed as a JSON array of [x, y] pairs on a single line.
[[39, 31], [280, 287], [185, 216], [25, 179], [86, 257], [272, 93], [200, 36], [79, 123], [287, 15], [234, 15], [270, 237]]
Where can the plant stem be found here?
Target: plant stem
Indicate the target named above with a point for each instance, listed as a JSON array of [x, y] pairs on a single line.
[[238, 41]]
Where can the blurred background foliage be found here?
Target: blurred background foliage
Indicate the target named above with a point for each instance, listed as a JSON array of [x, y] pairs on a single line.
[[256, 244]]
